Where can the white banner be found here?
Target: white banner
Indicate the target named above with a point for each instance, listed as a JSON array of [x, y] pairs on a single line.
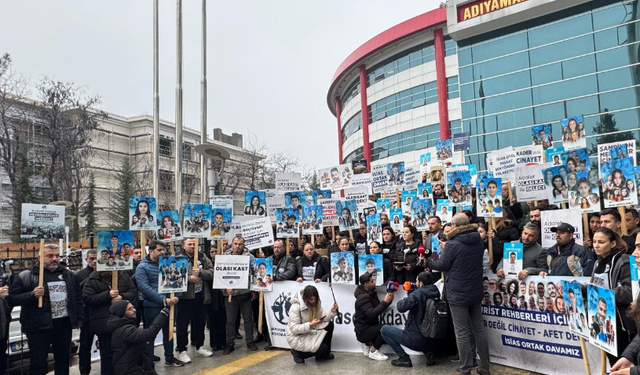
[[335, 178], [380, 181], [42, 221], [286, 182], [502, 163], [528, 154], [257, 233], [362, 179], [231, 272], [329, 214], [360, 194], [553, 218], [412, 177], [529, 182], [274, 200]]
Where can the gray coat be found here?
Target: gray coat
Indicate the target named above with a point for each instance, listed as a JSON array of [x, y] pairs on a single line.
[[206, 274]]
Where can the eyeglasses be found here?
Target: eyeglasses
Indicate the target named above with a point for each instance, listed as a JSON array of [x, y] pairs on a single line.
[[131, 308]]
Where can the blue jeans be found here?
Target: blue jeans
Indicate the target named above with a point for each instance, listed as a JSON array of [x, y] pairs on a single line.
[[150, 313], [393, 337]]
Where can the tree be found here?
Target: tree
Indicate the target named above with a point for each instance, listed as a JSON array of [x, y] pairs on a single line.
[[89, 208], [119, 205], [606, 126], [314, 182], [22, 191]]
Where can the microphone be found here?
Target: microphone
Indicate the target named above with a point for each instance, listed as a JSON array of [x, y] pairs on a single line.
[[409, 286], [392, 286]]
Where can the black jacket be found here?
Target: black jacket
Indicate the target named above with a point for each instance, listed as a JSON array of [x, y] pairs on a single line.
[[34, 319], [129, 345], [284, 268], [323, 269], [95, 294], [410, 257], [368, 309], [632, 353], [84, 273], [415, 303], [461, 260]]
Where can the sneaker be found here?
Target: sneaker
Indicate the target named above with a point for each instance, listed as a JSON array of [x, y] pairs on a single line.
[[156, 358], [269, 347], [480, 372], [366, 349], [378, 356], [184, 357], [203, 352], [251, 346], [431, 359], [404, 361], [174, 362], [228, 349]]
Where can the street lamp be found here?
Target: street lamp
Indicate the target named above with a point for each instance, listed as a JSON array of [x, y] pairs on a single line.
[[213, 152]]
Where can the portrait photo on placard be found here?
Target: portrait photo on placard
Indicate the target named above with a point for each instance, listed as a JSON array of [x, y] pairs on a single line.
[[287, 223], [459, 187], [261, 274], [115, 250], [255, 203], [555, 181], [408, 197], [142, 211], [574, 307], [573, 133], [421, 210], [583, 191], [374, 228], [601, 305], [576, 160], [168, 226], [359, 166], [424, 190], [312, 220], [618, 183], [443, 210], [295, 199], [372, 263], [542, 136], [220, 222], [173, 272], [489, 196], [343, 268], [320, 194], [619, 151], [396, 219], [348, 214], [196, 219], [444, 151], [383, 205], [395, 174]]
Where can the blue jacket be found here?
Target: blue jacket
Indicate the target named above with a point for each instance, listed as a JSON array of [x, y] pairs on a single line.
[[415, 304], [461, 260], [573, 260], [147, 279]]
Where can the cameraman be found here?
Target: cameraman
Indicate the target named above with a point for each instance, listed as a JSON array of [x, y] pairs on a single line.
[[367, 317], [411, 337]]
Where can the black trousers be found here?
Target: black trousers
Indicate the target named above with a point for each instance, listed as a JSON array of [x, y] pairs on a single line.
[[84, 352], [371, 337], [323, 350], [39, 343], [106, 354], [239, 304], [190, 310], [3, 349], [217, 320]]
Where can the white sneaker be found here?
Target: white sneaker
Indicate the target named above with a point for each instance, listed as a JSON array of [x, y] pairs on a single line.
[[378, 356], [365, 349], [203, 352], [184, 357]]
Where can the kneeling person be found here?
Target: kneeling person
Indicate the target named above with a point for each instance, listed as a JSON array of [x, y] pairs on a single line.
[[367, 317]]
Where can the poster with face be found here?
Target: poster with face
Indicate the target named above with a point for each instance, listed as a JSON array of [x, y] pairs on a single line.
[[343, 268], [255, 203], [42, 221], [287, 223], [312, 219], [573, 133], [541, 136], [372, 263], [221, 216], [142, 211], [335, 178], [583, 191], [601, 305], [512, 258], [443, 210], [374, 228], [396, 219], [359, 166], [489, 197], [273, 201], [425, 167], [459, 187], [555, 181], [574, 306], [383, 205], [169, 226], [261, 274], [424, 190], [348, 211], [115, 250], [408, 197], [618, 183], [196, 219], [295, 199], [421, 210], [320, 194], [173, 272], [576, 160], [553, 155], [395, 174], [444, 151]]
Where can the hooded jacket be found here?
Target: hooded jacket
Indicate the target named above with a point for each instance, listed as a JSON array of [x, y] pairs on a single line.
[[462, 262], [206, 275], [321, 263], [368, 309], [569, 260], [300, 335], [415, 303], [95, 294]]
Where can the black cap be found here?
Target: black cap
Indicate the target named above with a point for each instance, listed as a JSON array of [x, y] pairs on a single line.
[[118, 308], [564, 227]]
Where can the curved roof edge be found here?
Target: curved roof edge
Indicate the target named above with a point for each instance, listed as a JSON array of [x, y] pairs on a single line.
[[397, 32]]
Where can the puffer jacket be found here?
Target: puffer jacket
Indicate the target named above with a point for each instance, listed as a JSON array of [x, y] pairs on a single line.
[[147, 279], [368, 309], [462, 262], [321, 263], [95, 294], [299, 332], [129, 345], [572, 260]]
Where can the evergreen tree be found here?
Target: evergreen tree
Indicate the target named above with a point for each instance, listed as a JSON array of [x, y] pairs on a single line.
[[22, 191], [119, 207], [88, 209], [606, 126], [314, 184]]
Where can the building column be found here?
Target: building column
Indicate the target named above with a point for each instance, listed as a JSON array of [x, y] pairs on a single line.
[[441, 82], [338, 116], [364, 112]]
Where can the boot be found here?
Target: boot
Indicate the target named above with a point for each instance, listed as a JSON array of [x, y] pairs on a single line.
[[404, 361]]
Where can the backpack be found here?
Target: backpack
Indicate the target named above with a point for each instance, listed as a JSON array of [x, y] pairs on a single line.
[[435, 320]]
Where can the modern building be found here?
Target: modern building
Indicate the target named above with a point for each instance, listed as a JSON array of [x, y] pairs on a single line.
[[493, 69]]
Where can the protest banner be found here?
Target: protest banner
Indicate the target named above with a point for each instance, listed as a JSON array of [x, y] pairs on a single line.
[[573, 133], [173, 272], [553, 155], [424, 190], [512, 258], [295, 199], [362, 180], [335, 178], [261, 275], [502, 163], [461, 142], [232, 271], [115, 250], [459, 186], [407, 198], [618, 182], [168, 226], [529, 182], [396, 219], [359, 167], [273, 201], [373, 264], [555, 181], [142, 211], [255, 202], [443, 210], [527, 155], [553, 218], [343, 269], [395, 174], [542, 136], [347, 211], [196, 219], [286, 182], [374, 228], [576, 160], [287, 223], [575, 309], [379, 178], [412, 177], [444, 151], [489, 197], [312, 220], [601, 307], [42, 221], [257, 233], [236, 227], [617, 151], [360, 195], [221, 215], [383, 205], [329, 213], [421, 210], [425, 167]]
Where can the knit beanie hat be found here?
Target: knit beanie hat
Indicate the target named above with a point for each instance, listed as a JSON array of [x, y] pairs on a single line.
[[118, 308]]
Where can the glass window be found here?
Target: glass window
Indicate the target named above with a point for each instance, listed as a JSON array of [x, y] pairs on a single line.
[[353, 125], [619, 100], [453, 90], [560, 30], [563, 50], [611, 16], [407, 59], [501, 66], [565, 89], [449, 47]]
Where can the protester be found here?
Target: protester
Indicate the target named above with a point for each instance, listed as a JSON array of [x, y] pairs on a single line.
[[216, 313], [129, 342], [192, 308], [566, 257], [310, 328], [98, 293], [594, 225], [138, 302], [240, 301], [435, 226], [405, 257], [611, 219], [48, 327], [387, 267], [388, 241], [411, 337], [462, 262], [86, 337], [497, 248], [366, 320], [312, 266], [322, 242], [535, 217], [534, 258], [284, 267], [504, 230], [360, 239], [147, 278], [632, 219]]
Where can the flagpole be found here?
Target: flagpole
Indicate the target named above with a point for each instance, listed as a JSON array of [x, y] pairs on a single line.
[[156, 105], [178, 148], [203, 107]]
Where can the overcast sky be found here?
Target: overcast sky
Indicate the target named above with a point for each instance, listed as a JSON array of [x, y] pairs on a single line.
[[269, 62]]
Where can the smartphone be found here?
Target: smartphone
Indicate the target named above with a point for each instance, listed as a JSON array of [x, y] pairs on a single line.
[[399, 264], [322, 317]]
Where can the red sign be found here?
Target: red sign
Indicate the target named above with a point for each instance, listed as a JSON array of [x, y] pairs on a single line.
[[482, 7]]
